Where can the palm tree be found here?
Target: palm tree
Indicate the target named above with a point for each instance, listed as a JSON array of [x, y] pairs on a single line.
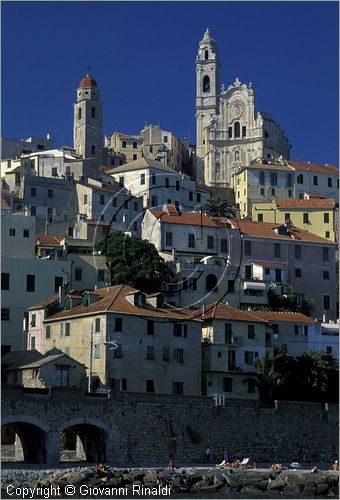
[[217, 207], [314, 371]]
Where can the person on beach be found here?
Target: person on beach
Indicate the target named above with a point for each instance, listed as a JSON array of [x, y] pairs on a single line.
[[171, 465], [224, 461], [207, 452]]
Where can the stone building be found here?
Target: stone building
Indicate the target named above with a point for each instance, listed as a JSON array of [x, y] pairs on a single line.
[[230, 132], [139, 344], [14, 148], [129, 146]]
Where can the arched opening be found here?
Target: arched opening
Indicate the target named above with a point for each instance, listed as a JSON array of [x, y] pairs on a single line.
[[206, 83], [237, 130], [83, 443], [206, 55], [23, 442], [218, 167], [211, 283], [79, 113]]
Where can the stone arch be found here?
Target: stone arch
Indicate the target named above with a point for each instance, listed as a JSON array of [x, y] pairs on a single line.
[[206, 83], [94, 439], [31, 438]]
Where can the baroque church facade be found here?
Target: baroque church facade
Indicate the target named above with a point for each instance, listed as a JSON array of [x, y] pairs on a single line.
[[230, 132]]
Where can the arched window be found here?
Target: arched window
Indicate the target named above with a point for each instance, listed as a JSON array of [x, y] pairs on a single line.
[[93, 150], [211, 283], [79, 113], [237, 129], [218, 167], [206, 55], [237, 156], [206, 83]]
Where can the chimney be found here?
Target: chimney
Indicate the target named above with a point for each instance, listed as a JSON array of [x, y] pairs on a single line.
[[63, 291], [203, 311]]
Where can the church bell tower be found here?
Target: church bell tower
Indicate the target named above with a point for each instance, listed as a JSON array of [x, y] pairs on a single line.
[[88, 136], [207, 99]]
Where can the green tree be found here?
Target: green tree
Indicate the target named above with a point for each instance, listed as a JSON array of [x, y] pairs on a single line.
[[134, 262], [217, 207], [314, 373]]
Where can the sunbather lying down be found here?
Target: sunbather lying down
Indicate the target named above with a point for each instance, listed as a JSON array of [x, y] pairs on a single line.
[[235, 464]]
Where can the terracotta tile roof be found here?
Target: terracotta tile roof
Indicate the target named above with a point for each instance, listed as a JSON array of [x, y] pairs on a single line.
[[274, 265], [265, 166], [188, 218], [313, 167], [266, 230], [141, 164], [49, 359], [4, 203], [87, 82], [48, 240], [96, 222], [289, 317], [44, 303], [217, 310], [316, 203], [114, 300]]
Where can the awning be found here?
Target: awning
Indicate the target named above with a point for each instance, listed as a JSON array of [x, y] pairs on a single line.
[[252, 285]]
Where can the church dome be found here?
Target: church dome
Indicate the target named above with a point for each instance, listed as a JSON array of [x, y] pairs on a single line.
[[87, 82]]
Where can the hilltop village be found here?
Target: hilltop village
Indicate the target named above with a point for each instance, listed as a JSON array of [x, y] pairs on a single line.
[[143, 263]]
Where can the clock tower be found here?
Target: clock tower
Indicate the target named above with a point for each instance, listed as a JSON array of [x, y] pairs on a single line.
[[207, 102]]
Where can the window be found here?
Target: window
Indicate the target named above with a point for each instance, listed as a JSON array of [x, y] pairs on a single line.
[[93, 112], [142, 178], [153, 179], [266, 271], [32, 163], [179, 355], [33, 320], [4, 314], [191, 240], [325, 275], [93, 149], [97, 325], [330, 183], [48, 331], [191, 196], [96, 351], [297, 249], [124, 144], [244, 131], [298, 273], [290, 193], [251, 332], [166, 354], [299, 179], [33, 191], [326, 218], [289, 180], [100, 274], [79, 113], [206, 83], [58, 281], [273, 178], [50, 193], [273, 191], [329, 349], [135, 226], [237, 156], [177, 387], [67, 329], [315, 180], [198, 197], [217, 167], [26, 233], [211, 283], [32, 342], [118, 324], [262, 178], [150, 327], [327, 234], [325, 254], [167, 183], [168, 239], [150, 355], [259, 217], [177, 185], [231, 286], [237, 130], [247, 247], [251, 386], [85, 199], [262, 191], [12, 231], [70, 231], [277, 250], [134, 145], [287, 216], [150, 386], [30, 283], [78, 274], [178, 329], [154, 201], [134, 157], [305, 218], [210, 242], [4, 281], [326, 302], [224, 245], [249, 357], [296, 329], [247, 272]]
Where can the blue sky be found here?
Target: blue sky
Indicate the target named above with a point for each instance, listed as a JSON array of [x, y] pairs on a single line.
[[142, 55]]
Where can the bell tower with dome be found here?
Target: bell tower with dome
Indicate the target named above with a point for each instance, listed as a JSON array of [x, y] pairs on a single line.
[[88, 136]]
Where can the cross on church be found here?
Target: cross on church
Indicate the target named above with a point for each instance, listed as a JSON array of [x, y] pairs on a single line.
[[88, 70]]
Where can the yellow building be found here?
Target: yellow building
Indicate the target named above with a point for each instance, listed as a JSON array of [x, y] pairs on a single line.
[[266, 180], [313, 215], [131, 146]]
